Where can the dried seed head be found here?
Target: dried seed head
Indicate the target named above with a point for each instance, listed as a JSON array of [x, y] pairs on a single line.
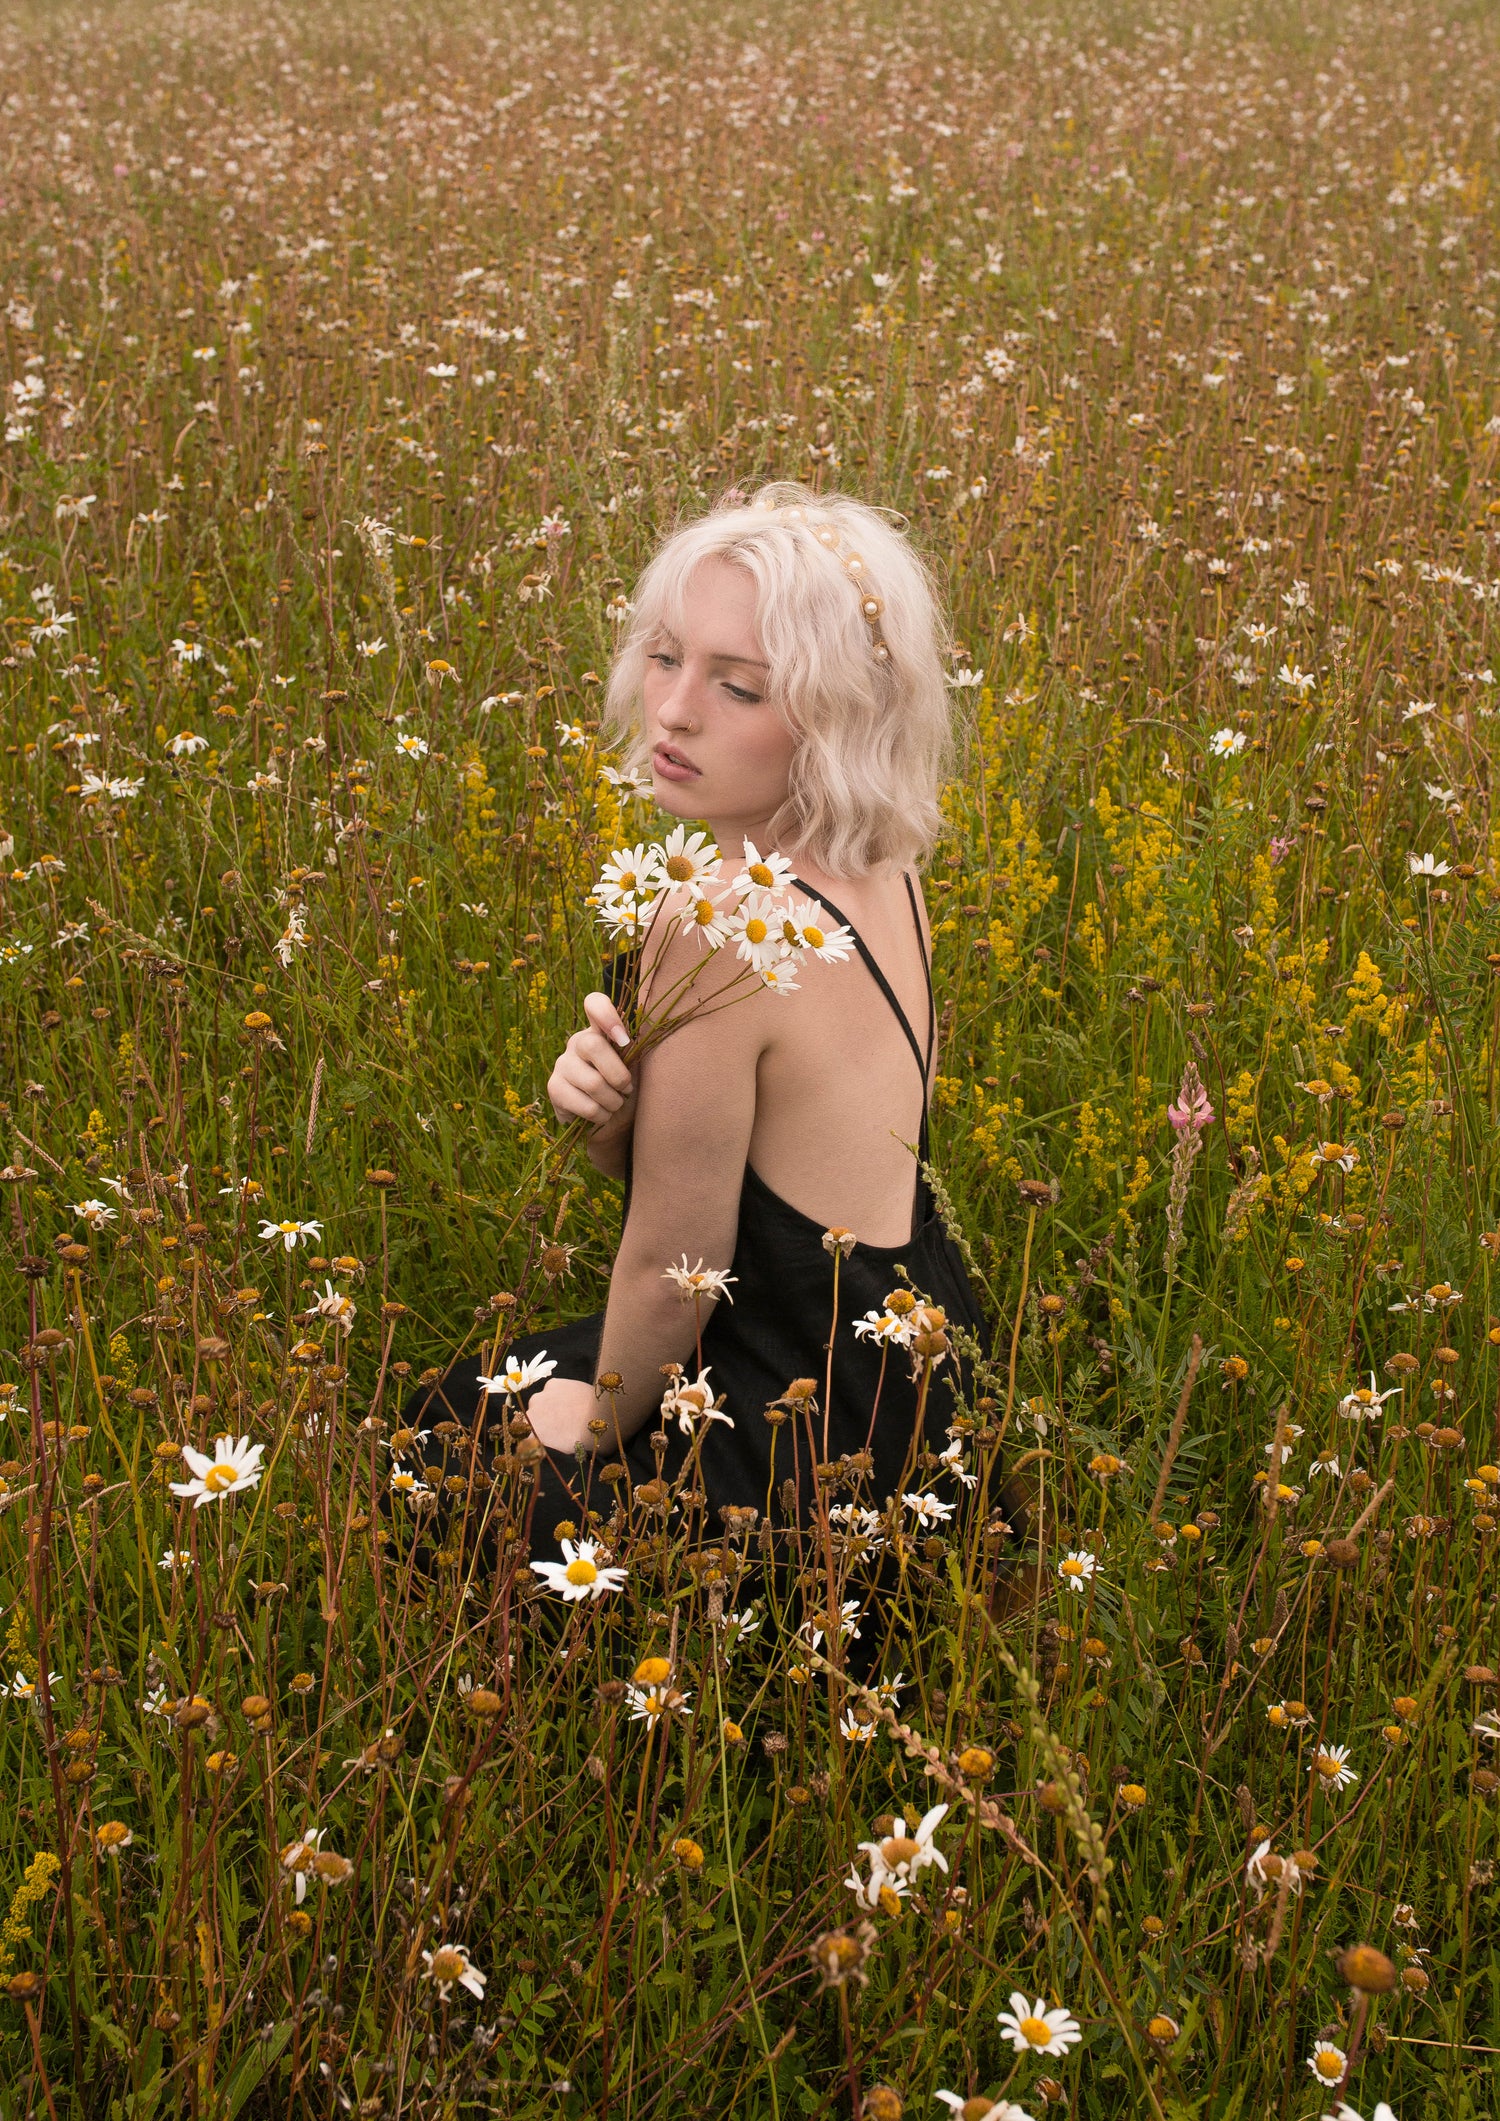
[[1367, 1969]]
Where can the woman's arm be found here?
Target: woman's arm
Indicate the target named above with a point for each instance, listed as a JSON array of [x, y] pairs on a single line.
[[695, 1111]]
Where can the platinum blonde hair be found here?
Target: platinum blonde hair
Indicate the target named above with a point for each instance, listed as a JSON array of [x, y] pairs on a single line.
[[874, 729]]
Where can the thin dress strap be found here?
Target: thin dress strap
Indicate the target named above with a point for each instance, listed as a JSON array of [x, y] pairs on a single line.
[[889, 992]]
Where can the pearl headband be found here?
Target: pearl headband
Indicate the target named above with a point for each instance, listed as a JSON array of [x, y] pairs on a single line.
[[870, 605]]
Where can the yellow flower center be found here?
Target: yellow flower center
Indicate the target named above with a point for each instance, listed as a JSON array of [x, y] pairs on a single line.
[[1037, 2031], [447, 1964], [899, 1848], [1327, 1765], [680, 868], [755, 931], [1072, 1568], [814, 938], [758, 873], [703, 912], [220, 1477], [581, 1571], [1329, 2065]]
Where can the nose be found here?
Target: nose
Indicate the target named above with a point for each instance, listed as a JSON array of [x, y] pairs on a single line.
[[676, 707]]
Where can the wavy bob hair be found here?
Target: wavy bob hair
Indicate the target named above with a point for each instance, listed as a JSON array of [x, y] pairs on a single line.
[[856, 668]]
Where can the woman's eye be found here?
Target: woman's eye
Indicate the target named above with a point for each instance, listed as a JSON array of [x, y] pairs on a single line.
[[751, 699], [660, 655]]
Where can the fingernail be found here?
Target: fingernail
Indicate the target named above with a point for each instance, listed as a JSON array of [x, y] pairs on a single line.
[[620, 1035]]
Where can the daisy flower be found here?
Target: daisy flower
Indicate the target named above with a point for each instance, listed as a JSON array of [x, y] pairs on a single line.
[[982, 2109], [1365, 1402], [856, 1732], [1327, 2062], [1331, 1764], [762, 872], [693, 1404], [405, 1482], [689, 859], [176, 1558], [412, 747], [23, 1689], [1347, 2113], [700, 1280], [579, 1574], [229, 1467], [806, 927], [291, 1234], [1075, 1570], [1336, 1153], [95, 1213], [518, 1377], [1033, 2030], [297, 1858], [451, 1964], [901, 1855], [1227, 743], [709, 922], [757, 921], [1425, 865], [648, 1704], [927, 1509], [630, 873]]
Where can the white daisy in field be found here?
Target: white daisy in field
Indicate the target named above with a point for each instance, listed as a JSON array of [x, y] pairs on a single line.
[[928, 1509], [1032, 2029], [1076, 1570], [693, 1405], [1339, 1153], [176, 1561], [411, 747], [867, 1891], [404, 1482], [1425, 865], [856, 1732], [450, 1964], [807, 927], [623, 920], [982, 2109], [648, 1704], [518, 1377], [1296, 680], [779, 978], [1327, 2062], [1346, 2112], [580, 1574], [953, 1459], [762, 872], [370, 649], [297, 1859], [94, 1212], [883, 1325], [185, 743], [229, 1467], [902, 1855], [689, 858], [23, 1689], [1227, 743], [1364, 1402], [1331, 1765], [700, 1280], [291, 1234]]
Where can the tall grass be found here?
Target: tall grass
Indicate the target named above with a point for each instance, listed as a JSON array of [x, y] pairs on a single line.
[[353, 359]]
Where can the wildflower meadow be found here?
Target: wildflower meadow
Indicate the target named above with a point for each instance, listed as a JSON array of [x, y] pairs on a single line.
[[353, 358]]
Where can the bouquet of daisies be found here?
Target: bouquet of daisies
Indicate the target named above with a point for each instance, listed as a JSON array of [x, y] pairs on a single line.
[[645, 890]]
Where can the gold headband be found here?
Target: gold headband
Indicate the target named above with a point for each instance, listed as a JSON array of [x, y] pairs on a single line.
[[827, 536]]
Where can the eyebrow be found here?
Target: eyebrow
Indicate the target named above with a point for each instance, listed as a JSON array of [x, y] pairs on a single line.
[[718, 655]]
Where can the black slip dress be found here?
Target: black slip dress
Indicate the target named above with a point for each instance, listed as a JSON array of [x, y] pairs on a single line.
[[775, 1331]]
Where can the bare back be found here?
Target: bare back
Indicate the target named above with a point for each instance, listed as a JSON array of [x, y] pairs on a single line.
[[839, 1092]]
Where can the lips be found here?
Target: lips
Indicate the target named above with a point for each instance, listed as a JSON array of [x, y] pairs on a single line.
[[673, 763]]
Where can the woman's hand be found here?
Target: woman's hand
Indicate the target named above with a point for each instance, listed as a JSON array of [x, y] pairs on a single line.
[[560, 1413], [589, 1081]]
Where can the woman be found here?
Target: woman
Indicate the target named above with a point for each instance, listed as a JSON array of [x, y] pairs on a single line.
[[782, 679]]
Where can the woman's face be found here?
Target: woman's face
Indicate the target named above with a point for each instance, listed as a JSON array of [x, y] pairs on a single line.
[[719, 750]]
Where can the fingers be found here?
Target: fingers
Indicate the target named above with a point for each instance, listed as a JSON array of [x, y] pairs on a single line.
[[598, 1057], [604, 1016]]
